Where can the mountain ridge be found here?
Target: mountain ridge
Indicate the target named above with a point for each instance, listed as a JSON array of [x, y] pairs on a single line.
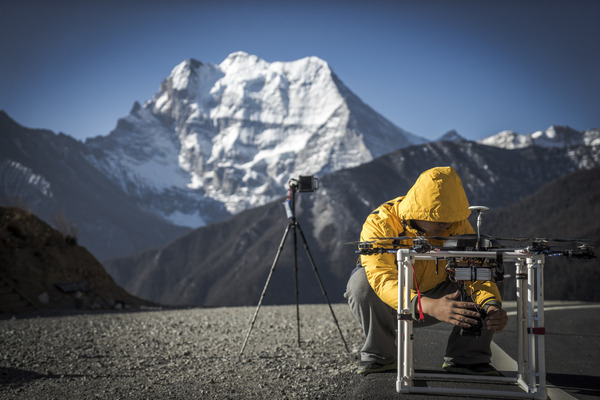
[[210, 264], [48, 174], [554, 136], [211, 143]]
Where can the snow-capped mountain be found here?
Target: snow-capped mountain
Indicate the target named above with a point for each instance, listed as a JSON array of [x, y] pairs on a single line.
[[218, 139], [554, 136]]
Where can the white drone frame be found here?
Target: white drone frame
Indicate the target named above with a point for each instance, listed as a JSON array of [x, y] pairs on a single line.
[[531, 368]]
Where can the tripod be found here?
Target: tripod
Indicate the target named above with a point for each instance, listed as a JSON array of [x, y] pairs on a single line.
[[290, 207]]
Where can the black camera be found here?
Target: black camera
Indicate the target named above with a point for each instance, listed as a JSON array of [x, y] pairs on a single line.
[[305, 183], [473, 330], [460, 270]]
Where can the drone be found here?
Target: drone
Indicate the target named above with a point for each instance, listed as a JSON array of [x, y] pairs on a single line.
[[550, 247], [468, 259], [464, 254]]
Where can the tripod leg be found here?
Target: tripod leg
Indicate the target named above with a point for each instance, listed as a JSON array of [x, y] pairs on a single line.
[[262, 296], [296, 278], [312, 262]]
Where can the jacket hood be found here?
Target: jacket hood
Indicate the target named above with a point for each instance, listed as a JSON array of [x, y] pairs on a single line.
[[438, 195]]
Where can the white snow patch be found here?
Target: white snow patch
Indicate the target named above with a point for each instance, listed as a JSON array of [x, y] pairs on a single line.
[[15, 176], [193, 220]]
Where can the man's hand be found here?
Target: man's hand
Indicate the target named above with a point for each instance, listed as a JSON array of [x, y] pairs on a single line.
[[449, 309], [496, 319]]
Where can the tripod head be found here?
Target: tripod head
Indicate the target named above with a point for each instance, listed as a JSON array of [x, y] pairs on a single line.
[[302, 184], [308, 183]]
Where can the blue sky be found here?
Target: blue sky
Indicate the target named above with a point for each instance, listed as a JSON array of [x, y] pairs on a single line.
[[476, 66]]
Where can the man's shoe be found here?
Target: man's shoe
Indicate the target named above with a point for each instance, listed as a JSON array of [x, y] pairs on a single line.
[[371, 367], [470, 369]]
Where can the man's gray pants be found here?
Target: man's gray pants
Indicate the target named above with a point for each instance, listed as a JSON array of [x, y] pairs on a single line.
[[379, 322]]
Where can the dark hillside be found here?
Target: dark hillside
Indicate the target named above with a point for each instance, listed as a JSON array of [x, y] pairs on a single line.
[[41, 268], [51, 175], [226, 264], [566, 208]]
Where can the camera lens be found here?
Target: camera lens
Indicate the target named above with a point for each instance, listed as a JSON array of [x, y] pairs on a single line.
[[474, 330]]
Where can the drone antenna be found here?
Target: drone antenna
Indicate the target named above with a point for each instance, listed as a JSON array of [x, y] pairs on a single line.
[[479, 210]]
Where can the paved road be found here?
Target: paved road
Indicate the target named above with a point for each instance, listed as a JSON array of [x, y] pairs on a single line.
[[572, 355], [194, 354]]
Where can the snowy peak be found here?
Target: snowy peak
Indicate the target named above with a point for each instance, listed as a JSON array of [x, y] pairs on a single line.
[[183, 86], [241, 60], [185, 74], [508, 140], [245, 87], [554, 136], [231, 135], [300, 92], [557, 136]]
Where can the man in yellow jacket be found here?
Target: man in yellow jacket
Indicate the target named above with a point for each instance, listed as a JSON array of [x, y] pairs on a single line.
[[436, 205]]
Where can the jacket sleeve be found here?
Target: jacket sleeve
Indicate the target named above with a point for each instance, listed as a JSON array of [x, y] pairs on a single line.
[[484, 293], [381, 269], [382, 275]]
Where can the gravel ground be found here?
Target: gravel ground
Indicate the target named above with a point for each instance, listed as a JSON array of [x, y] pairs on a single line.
[[179, 354]]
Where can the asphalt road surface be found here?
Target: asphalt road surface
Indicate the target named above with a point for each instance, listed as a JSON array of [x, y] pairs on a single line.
[[572, 344], [195, 354]]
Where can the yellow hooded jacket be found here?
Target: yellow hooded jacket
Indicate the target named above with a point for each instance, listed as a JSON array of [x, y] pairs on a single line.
[[438, 196]]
